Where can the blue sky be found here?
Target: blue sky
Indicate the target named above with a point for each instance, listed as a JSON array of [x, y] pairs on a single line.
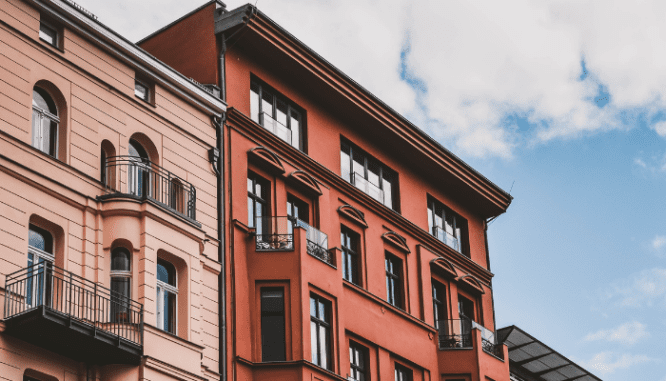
[[562, 102]]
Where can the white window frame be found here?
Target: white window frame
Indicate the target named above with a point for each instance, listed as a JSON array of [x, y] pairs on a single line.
[[163, 287], [38, 138]]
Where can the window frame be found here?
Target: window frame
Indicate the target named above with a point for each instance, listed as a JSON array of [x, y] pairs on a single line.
[[50, 26], [350, 253], [406, 373], [38, 140], [356, 369], [463, 239], [173, 290], [115, 274], [255, 199], [291, 106], [385, 174], [149, 90], [37, 284], [439, 301], [395, 279], [319, 322]]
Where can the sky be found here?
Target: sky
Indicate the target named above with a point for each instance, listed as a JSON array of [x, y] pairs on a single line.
[[562, 103]]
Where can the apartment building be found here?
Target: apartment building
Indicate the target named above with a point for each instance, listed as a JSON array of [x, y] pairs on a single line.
[[109, 244], [355, 245]]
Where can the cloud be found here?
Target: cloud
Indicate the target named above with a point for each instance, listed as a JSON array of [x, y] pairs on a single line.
[[609, 362], [645, 289], [658, 242], [627, 333], [476, 63]]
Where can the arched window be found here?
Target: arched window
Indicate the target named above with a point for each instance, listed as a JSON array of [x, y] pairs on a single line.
[[44, 122], [166, 296], [139, 170], [108, 164], [121, 275], [40, 261]]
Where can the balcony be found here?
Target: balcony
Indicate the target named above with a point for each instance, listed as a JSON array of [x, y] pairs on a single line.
[[449, 239], [276, 128], [367, 187], [129, 176], [277, 234], [70, 315], [457, 333]]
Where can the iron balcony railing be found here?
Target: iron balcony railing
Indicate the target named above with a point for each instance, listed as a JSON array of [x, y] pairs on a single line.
[[449, 239], [274, 234], [133, 176], [60, 291], [317, 242], [367, 187], [278, 129], [457, 333]]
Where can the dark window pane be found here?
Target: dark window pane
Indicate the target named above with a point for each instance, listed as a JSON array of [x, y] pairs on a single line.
[[120, 259], [272, 325], [166, 272], [48, 34]]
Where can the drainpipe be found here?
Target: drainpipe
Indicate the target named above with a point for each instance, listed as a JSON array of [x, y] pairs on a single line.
[[221, 216], [223, 71]]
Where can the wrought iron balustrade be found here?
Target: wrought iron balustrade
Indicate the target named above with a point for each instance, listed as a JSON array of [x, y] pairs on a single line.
[[449, 239], [367, 187], [274, 234], [56, 290], [317, 242], [278, 129], [133, 176]]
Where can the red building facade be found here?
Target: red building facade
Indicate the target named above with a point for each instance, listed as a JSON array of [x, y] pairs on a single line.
[[355, 245]]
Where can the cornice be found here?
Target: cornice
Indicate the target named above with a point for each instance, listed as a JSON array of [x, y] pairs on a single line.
[[246, 126]]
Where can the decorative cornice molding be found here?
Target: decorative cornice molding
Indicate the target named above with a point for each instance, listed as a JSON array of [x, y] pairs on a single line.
[[396, 240], [267, 157], [305, 180], [353, 214]]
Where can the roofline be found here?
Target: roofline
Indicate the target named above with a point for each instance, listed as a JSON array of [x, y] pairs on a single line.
[[252, 10], [169, 25], [68, 14], [512, 327]]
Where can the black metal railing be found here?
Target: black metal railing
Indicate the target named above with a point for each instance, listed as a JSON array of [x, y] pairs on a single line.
[[455, 333], [317, 241], [136, 177], [274, 234], [58, 290]]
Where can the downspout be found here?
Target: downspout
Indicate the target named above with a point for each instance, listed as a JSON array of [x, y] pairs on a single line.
[[221, 216]]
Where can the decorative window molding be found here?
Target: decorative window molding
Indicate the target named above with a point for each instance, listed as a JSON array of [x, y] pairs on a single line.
[[304, 179], [267, 158], [396, 240], [471, 281], [445, 265], [353, 214]]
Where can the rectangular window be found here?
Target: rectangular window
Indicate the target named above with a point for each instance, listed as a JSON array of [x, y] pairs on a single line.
[[394, 280], [357, 362], [273, 343], [466, 308], [48, 34], [257, 203], [276, 113], [402, 373], [142, 90], [320, 331], [368, 174], [349, 242], [439, 303], [298, 209], [448, 226]]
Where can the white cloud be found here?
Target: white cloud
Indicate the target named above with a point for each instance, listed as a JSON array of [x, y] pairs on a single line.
[[609, 362], [627, 333], [480, 60], [658, 242], [647, 288]]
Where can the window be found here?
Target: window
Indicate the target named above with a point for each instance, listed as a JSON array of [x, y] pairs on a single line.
[[439, 303], [368, 175], [40, 262], [177, 195], [44, 122], [49, 34], [402, 373], [273, 343], [349, 242], [466, 308], [120, 284], [166, 296], [297, 209], [276, 114], [357, 362], [448, 226], [393, 280], [139, 169], [257, 203], [320, 331], [142, 90]]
